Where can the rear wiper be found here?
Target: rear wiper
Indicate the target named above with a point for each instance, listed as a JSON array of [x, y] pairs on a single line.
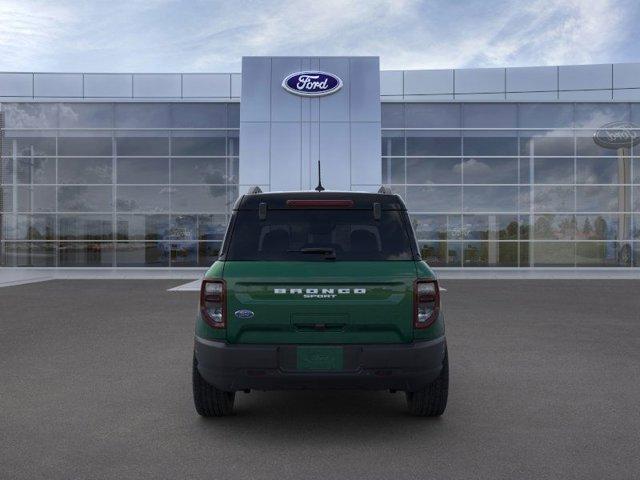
[[330, 253]]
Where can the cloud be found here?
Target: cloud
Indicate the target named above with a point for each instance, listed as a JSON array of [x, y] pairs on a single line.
[[168, 35]]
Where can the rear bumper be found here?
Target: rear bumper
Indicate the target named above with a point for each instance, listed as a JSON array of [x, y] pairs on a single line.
[[407, 367]]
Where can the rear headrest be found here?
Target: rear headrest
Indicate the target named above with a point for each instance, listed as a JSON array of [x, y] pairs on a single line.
[[363, 241], [276, 241]]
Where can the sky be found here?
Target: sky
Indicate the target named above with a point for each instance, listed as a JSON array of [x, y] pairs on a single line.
[[212, 36]]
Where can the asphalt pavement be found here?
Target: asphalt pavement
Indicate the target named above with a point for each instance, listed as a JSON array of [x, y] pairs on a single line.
[[545, 384]]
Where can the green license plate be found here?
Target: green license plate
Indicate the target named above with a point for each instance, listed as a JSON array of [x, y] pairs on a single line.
[[320, 358]]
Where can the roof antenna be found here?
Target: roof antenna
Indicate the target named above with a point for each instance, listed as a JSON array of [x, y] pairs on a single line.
[[319, 188]]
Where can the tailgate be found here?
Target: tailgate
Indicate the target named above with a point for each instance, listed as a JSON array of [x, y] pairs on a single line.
[[319, 302]]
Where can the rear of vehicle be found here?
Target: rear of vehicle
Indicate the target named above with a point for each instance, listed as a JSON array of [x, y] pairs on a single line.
[[320, 290]]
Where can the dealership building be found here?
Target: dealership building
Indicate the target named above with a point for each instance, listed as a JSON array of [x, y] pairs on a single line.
[[521, 168]]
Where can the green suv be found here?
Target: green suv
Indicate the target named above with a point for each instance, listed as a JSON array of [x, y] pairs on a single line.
[[320, 290]]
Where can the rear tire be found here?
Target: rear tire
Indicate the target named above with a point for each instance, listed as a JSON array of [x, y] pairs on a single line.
[[208, 400], [431, 401]]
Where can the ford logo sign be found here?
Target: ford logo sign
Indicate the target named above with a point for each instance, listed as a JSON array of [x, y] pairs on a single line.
[[312, 83], [243, 314], [616, 135]]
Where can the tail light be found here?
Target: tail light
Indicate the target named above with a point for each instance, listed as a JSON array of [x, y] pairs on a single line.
[[212, 303], [426, 303]]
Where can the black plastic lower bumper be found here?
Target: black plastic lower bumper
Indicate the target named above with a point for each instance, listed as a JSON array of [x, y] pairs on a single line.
[[407, 367]]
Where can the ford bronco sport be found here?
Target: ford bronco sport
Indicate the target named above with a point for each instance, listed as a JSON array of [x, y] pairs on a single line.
[[320, 290]]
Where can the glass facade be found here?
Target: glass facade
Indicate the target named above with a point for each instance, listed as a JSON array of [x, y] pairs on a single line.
[[116, 184], [150, 184], [515, 184]]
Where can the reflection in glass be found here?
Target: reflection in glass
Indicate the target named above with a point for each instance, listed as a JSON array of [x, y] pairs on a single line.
[[433, 143], [393, 170], [490, 170], [85, 254], [603, 170], [146, 146], [434, 170], [553, 254], [392, 115], [6, 170], [603, 254], [38, 198], [603, 199], [490, 254], [36, 254], [392, 143], [437, 227], [490, 115], [211, 227], [30, 115], [183, 253], [83, 115], [208, 253], [554, 199], [85, 170], [490, 227], [546, 144], [6, 199], [233, 115], [199, 115], [554, 227], [233, 174], [442, 254], [434, 199], [142, 254], [32, 146], [553, 170], [85, 227], [602, 226], [525, 227], [545, 115], [93, 146], [490, 199], [142, 115], [585, 145], [199, 199], [142, 170], [204, 146], [525, 258], [85, 199], [142, 227], [490, 144], [433, 115], [199, 170], [36, 170], [35, 227], [233, 143], [598, 114], [143, 198]]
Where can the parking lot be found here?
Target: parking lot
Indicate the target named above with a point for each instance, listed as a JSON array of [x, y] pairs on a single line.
[[545, 383]]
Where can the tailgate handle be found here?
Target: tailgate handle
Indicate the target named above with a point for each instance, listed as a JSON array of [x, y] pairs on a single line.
[[320, 327]]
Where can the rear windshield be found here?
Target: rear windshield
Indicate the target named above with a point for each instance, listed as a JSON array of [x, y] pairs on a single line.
[[310, 235]]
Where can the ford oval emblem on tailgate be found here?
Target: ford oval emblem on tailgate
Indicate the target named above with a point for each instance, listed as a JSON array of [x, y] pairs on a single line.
[[244, 314]]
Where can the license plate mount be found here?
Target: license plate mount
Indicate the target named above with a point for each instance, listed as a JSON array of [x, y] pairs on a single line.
[[320, 358]]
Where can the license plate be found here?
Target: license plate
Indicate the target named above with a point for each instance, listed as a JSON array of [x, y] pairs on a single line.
[[320, 358]]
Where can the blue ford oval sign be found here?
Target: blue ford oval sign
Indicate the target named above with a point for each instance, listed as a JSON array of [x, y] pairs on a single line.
[[244, 314], [312, 83]]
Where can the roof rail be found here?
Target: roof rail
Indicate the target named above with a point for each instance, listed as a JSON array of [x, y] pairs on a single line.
[[384, 190], [254, 190]]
